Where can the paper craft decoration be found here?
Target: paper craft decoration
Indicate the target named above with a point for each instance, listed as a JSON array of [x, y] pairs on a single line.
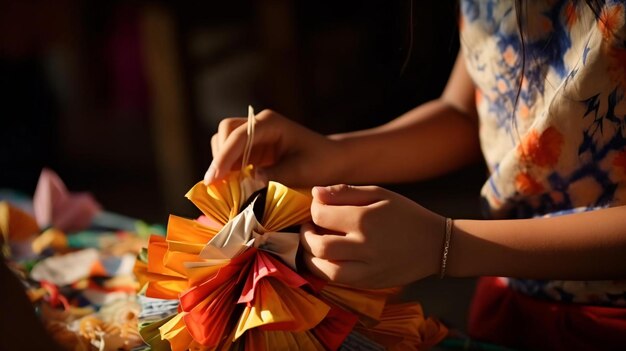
[[63, 217], [81, 284], [17, 228], [235, 279], [55, 206], [65, 269]]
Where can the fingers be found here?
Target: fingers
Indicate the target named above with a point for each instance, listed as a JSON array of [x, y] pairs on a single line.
[[344, 219], [231, 139], [230, 150], [342, 272], [344, 208], [342, 194], [226, 127], [214, 145], [329, 246], [333, 257]]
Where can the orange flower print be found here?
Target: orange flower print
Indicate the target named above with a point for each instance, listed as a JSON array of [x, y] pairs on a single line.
[[611, 20], [503, 87], [523, 110], [527, 185], [478, 96], [510, 56], [542, 150], [570, 14], [620, 161]]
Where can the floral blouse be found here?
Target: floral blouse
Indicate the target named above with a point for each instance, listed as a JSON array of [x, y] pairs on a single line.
[[552, 116]]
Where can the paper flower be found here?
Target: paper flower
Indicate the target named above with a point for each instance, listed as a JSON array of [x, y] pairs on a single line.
[[235, 278], [237, 281]]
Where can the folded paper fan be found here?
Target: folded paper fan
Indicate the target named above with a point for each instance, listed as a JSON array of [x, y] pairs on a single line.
[[280, 340], [403, 327], [235, 278]]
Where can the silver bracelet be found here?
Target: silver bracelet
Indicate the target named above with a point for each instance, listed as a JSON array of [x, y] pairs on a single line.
[[446, 248]]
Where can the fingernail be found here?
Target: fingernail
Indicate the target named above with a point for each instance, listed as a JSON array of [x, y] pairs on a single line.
[[321, 189], [316, 190], [209, 175]]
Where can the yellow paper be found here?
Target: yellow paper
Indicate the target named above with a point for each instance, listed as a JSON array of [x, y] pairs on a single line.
[[217, 200], [285, 207], [289, 309], [175, 332], [222, 199], [152, 336]]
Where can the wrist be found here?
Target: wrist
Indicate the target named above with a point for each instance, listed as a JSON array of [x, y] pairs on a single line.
[[341, 156], [445, 247], [477, 249], [462, 256]]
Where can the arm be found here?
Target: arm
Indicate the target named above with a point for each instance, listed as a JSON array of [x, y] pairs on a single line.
[[430, 140], [388, 240], [585, 246], [427, 141]]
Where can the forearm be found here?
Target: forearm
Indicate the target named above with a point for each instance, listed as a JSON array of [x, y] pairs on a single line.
[[428, 141], [585, 246]]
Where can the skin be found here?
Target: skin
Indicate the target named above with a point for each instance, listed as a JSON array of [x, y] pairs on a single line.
[[370, 237]]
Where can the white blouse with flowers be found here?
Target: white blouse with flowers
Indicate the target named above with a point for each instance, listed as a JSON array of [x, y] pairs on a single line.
[[552, 116]]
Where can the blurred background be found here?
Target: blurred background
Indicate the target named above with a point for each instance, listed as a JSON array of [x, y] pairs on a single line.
[[121, 97]]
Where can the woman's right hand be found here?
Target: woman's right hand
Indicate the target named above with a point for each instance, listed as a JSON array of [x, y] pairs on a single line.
[[282, 150]]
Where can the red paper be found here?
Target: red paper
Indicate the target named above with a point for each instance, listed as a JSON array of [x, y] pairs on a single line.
[[267, 266]]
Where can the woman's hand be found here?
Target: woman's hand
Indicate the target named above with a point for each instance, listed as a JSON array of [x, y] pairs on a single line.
[[282, 150], [370, 237]]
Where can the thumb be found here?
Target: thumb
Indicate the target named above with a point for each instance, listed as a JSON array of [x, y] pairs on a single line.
[[348, 195]]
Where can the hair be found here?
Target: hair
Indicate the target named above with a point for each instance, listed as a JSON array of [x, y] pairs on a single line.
[[410, 50], [520, 8], [519, 15]]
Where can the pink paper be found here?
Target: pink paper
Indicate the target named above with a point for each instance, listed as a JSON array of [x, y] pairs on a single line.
[[266, 266], [55, 206]]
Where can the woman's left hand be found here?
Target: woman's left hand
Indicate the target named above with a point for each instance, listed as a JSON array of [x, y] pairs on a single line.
[[370, 237]]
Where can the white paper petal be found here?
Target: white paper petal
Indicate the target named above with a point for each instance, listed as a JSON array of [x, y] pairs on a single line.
[[281, 244], [234, 237]]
